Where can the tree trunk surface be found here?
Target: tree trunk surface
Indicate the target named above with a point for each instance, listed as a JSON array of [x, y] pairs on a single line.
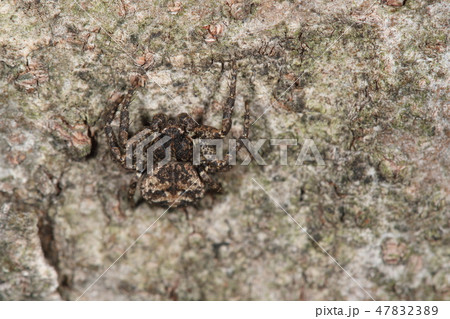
[[357, 210]]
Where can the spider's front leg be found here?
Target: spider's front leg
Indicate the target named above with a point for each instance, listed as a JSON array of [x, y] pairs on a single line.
[[117, 147], [209, 181], [125, 119], [132, 188], [209, 132], [229, 104], [224, 165]]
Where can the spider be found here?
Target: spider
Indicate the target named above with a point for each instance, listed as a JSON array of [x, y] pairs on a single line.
[[179, 182]]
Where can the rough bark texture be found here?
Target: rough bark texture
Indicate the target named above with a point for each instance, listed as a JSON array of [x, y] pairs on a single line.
[[371, 94]]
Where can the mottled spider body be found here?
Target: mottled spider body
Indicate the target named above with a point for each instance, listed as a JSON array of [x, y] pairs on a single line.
[[178, 182]]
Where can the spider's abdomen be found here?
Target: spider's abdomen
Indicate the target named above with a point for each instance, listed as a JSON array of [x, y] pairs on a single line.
[[174, 184]]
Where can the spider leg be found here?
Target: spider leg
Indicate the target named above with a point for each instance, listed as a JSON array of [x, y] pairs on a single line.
[[229, 104], [132, 148], [209, 181], [246, 128], [112, 139], [125, 119], [132, 188], [245, 132], [219, 166], [114, 146], [205, 132], [210, 132]]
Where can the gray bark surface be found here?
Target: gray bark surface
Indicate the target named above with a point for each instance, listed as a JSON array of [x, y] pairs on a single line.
[[372, 93]]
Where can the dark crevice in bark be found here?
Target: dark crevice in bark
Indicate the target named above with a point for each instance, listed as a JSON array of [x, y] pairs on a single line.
[[46, 232]]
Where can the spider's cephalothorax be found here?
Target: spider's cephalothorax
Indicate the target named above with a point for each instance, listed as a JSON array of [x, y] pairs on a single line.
[[178, 182]]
